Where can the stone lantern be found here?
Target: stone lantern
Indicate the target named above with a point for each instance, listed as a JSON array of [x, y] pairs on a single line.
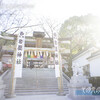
[[39, 37]]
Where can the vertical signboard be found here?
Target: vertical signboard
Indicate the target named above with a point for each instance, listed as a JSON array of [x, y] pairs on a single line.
[[19, 55], [57, 70]]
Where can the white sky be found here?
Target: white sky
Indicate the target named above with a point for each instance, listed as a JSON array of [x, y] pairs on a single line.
[[59, 10], [56, 9], [62, 9]]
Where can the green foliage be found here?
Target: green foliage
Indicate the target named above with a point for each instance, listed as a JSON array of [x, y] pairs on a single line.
[[81, 29], [3, 33]]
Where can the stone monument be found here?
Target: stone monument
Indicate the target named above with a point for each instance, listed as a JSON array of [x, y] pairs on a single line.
[[78, 82]]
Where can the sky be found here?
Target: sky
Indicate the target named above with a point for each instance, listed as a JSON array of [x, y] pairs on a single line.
[[63, 9], [55, 9], [59, 10]]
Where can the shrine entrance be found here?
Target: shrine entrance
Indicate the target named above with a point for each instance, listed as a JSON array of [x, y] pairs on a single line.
[[39, 74], [34, 63], [38, 58], [39, 70]]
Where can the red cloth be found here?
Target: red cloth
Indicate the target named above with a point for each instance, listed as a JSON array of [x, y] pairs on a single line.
[[9, 65], [4, 65]]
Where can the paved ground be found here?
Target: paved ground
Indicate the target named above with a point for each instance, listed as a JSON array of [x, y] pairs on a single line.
[[44, 97], [39, 97]]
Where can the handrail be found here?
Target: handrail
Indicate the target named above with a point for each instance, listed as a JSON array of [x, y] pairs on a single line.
[[4, 74], [66, 77]]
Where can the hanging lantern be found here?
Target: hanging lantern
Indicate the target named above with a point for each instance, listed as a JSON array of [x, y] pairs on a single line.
[[38, 56], [41, 56], [35, 53], [50, 55], [31, 54], [44, 55], [40, 53]]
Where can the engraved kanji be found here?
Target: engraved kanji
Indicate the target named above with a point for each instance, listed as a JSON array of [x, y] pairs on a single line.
[[20, 41], [56, 62], [18, 61], [19, 47], [19, 54]]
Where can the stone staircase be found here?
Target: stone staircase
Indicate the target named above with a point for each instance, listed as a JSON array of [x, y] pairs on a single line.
[[36, 81]]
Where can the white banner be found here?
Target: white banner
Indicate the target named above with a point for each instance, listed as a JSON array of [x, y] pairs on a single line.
[[19, 55], [57, 70]]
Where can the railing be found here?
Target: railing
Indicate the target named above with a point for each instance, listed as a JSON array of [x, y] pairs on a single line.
[[4, 74], [2, 86], [66, 77]]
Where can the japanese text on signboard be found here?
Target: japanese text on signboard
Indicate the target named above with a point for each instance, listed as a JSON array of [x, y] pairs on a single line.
[[19, 55], [57, 71]]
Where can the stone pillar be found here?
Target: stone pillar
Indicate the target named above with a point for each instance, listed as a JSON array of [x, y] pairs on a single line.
[[2, 88]]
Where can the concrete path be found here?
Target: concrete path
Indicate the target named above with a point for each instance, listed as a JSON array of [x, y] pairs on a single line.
[[40, 97], [44, 97]]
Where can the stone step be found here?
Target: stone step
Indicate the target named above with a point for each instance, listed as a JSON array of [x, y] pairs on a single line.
[[36, 81], [36, 84], [29, 91], [22, 90], [37, 93], [36, 90], [33, 87], [42, 89]]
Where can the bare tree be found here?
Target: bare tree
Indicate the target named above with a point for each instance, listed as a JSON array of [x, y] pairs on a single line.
[[49, 26], [12, 19]]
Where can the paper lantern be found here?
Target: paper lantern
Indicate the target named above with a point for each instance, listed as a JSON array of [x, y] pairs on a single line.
[[29, 55], [40, 53], [41, 56], [50, 55], [35, 56], [44, 55], [35, 53]]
